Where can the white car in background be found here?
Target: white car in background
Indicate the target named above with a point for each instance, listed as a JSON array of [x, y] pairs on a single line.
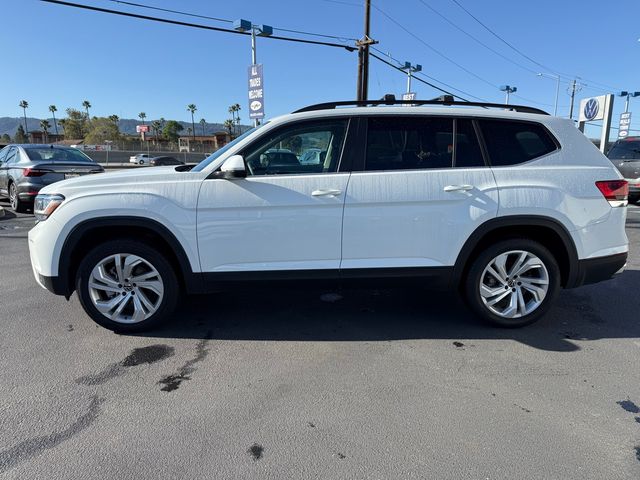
[[140, 159], [504, 204]]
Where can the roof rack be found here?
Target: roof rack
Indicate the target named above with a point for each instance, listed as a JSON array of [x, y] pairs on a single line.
[[443, 100]]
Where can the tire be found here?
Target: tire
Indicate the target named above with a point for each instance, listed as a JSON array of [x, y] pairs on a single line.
[[141, 162], [17, 205], [155, 301], [526, 290]]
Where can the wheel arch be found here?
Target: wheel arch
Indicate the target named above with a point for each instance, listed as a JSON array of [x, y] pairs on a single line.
[[545, 230], [89, 233]]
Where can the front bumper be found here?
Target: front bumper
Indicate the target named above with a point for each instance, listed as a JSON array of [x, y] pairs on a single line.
[[594, 270]]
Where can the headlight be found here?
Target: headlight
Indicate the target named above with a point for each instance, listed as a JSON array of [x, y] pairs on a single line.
[[45, 205]]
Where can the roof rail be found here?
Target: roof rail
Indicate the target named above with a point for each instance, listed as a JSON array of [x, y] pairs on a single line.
[[390, 100]]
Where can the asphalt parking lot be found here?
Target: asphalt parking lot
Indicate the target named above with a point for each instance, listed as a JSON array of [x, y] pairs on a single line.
[[277, 384]]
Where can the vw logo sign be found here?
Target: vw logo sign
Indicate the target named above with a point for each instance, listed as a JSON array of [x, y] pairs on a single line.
[[255, 105], [591, 109]]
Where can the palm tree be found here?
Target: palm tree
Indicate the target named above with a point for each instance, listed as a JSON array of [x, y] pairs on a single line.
[[115, 119], [53, 110], [45, 126], [192, 108], [228, 124], [203, 122], [24, 105], [142, 116], [86, 106], [155, 125], [237, 108]]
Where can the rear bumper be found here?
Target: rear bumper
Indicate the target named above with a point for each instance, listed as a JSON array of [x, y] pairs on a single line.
[[594, 270], [27, 191]]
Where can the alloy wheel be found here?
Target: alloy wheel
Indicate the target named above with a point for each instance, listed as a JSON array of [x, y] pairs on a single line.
[[514, 284], [13, 196], [126, 288]]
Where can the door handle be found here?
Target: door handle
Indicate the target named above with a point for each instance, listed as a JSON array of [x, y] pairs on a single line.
[[458, 188], [326, 192]]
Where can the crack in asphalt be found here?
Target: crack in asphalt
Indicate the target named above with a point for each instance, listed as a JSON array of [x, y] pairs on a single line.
[[34, 446]]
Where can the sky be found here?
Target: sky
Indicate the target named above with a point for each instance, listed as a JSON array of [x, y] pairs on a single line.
[[124, 66]]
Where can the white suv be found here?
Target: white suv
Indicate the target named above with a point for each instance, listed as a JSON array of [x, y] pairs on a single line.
[[507, 206]]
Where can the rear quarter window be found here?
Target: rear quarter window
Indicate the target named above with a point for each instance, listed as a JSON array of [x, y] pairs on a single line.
[[511, 143]]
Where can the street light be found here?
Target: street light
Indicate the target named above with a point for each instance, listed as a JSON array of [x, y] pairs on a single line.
[[628, 95], [557, 77], [509, 90], [410, 69], [242, 25]]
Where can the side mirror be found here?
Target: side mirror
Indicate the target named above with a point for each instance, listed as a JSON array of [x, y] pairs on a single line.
[[232, 168]]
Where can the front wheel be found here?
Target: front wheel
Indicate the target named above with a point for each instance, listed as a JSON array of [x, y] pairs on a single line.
[[127, 286], [141, 162], [513, 283]]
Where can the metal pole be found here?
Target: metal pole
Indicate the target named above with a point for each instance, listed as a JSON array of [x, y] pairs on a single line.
[[555, 105], [253, 59], [626, 104], [507, 96], [409, 80]]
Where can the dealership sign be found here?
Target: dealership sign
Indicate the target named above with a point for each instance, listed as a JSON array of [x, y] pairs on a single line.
[[625, 121], [593, 108], [256, 92]]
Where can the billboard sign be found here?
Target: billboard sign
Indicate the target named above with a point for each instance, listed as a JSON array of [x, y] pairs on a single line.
[[625, 121], [593, 108], [142, 128], [256, 92], [409, 96]]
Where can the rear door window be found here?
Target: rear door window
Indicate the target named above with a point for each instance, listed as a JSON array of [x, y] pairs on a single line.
[[510, 143]]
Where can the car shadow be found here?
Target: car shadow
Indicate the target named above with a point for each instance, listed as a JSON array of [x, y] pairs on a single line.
[[606, 310]]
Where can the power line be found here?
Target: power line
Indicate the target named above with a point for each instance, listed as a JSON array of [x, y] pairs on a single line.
[[226, 20], [418, 79], [428, 76], [438, 52], [453, 24], [194, 25], [522, 53]]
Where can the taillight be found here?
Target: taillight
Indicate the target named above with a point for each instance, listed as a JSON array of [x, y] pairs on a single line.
[[616, 192], [34, 172]]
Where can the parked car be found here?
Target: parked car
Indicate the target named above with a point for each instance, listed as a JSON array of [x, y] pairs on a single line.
[[625, 155], [140, 159], [512, 208], [161, 161], [25, 169]]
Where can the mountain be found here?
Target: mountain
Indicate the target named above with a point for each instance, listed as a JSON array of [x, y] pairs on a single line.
[[127, 126]]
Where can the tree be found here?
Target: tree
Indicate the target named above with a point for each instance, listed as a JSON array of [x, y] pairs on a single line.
[[20, 136], [142, 116], [115, 119], [86, 106], [171, 131], [101, 130], [156, 126], [192, 108], [237, 108], [5, 138], [53, 110], [203, 122], [24, 105], [228, 124], [45, 126], [75, 125], [233, 110]]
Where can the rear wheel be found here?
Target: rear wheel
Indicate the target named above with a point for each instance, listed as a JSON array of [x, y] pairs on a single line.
[[16, 204], [127, 286], [513, 283], [141, 162]]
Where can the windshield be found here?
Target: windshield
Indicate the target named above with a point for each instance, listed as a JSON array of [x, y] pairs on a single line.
[[627, 150], [221, 151], [56, 154]]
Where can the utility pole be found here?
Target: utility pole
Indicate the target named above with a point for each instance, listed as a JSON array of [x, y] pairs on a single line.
[[508, 89], [410, 69], [575, 87], [363, 55]]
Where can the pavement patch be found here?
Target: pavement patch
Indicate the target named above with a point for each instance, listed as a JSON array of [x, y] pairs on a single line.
[[629, 406]]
